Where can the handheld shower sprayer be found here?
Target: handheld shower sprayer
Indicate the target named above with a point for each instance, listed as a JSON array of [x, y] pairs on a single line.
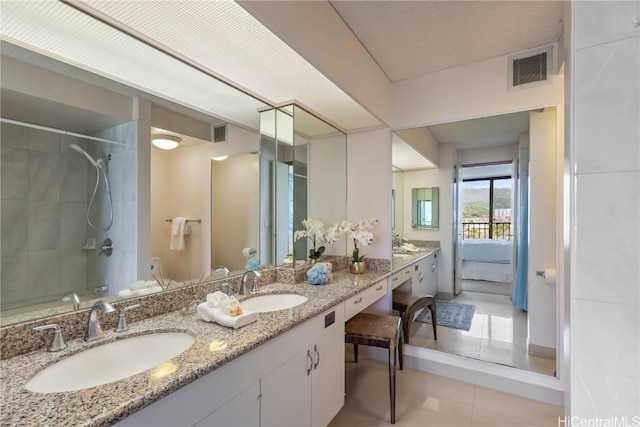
[[87, 155], [101, 172]]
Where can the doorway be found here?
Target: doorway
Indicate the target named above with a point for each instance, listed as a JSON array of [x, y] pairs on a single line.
[[486, 225]]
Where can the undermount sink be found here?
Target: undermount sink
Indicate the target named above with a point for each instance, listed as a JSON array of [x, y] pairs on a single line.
[[110, 362], [403, 255], [273, 302]]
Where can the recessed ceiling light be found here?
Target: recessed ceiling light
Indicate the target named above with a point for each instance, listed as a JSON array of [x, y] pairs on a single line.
[[165, 142], [220, 158]]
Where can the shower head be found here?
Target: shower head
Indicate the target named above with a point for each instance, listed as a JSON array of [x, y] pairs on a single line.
[[87, 155]]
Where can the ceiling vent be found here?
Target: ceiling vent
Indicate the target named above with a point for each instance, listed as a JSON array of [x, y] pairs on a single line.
[[219, 134], [531, 68]]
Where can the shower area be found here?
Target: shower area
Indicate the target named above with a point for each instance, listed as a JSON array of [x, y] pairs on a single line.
[[62, 197]]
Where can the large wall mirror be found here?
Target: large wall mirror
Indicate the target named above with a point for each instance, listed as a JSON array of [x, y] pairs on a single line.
[[300, 155], [83, 118]]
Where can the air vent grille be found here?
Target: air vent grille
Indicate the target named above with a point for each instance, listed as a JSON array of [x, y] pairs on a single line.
[[530, 69], [219, 134]]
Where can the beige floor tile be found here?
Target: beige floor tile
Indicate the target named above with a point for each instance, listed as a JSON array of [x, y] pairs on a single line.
[[524, 410], [482, 418]]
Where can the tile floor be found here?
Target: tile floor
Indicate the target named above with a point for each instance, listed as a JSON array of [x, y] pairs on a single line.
[[425, 399], [498, 334]]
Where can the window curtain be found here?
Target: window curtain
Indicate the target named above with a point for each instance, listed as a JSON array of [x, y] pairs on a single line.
[[520, 285]]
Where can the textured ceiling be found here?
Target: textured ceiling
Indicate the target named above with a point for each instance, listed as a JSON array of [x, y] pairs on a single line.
[[413, 38]]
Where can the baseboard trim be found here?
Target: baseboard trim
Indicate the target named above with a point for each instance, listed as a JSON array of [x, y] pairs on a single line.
[[542, 351], [532, 385]]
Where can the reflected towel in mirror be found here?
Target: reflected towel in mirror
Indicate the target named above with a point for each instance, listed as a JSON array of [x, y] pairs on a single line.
[[178, 231]]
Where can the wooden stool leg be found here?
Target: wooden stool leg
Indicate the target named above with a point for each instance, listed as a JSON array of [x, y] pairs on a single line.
[[355, 351], [432, 308], [401, 349], [392, 379]]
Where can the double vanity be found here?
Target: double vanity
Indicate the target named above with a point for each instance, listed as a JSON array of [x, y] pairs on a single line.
[[286, 368], [272, 370]]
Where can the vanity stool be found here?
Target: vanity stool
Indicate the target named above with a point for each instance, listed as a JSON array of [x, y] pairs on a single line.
[[378, 330], [408, 304]]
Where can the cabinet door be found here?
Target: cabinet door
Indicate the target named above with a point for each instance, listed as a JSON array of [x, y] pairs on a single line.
[[286, 393], [432, 275], [327, 391], [241, 411]]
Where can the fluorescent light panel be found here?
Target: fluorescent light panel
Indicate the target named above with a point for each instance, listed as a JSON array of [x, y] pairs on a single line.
[[225, 39], [66, 34]]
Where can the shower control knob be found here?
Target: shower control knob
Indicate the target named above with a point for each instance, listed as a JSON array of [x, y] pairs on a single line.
[[107, 247]]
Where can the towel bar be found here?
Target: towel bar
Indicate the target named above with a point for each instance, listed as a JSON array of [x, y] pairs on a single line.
[[189, 220]]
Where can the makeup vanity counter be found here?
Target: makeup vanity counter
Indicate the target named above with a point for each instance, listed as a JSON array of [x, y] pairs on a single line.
[[215, 346], [419, 269]]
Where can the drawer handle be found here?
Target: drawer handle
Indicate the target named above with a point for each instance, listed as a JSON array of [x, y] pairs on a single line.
[[395, 278], [358, 301], [433, 268], [379, 288], [407, 272]]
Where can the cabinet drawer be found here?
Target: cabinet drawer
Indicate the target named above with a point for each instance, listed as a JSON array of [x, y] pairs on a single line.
[[377, 291], [356, 304], [401, 276]]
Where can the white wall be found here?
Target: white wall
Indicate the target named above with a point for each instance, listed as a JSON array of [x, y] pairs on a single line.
[[500, 153], [181, 186], [475, 90], [604, 128], [369, 191], [442, 178], [235, 202], [542, 232], [423, 141]]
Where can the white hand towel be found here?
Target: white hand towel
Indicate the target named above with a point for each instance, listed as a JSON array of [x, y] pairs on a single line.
[[234, 322], [178, 229], [211, 314]]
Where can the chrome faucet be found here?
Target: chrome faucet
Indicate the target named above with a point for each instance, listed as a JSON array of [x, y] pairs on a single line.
[[243, 282], [94, 330], [225, 270], [73, 297], [222, 268]]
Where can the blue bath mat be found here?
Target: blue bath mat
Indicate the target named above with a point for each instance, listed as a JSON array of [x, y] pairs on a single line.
[[450, 314]]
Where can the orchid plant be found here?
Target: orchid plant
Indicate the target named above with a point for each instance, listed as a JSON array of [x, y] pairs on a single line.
[[314, 229], [361, 234]]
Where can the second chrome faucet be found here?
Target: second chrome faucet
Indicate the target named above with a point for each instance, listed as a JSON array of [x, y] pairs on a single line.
[[94, 330]]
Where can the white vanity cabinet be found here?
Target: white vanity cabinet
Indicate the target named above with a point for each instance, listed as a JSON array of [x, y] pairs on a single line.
[[308, 390], [425, 275], [297, 379]]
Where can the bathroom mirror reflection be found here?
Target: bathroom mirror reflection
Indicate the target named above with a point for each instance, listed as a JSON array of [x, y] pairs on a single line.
[[49, 250], [496, 159], [425, 208]]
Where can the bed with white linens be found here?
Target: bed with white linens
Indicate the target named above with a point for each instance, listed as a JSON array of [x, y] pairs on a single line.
[[487, 259]]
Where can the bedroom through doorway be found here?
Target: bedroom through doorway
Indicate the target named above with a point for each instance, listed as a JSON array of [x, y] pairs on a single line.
[[486, 224]]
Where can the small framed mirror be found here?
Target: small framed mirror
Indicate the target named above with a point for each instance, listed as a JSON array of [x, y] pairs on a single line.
[[425, 207]]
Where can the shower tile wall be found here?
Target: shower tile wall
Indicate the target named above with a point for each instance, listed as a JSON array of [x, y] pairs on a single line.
[[119, 270], [45, 189], [43, 203]]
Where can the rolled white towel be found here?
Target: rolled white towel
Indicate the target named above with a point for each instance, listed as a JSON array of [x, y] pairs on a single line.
[[126, 293], [217, 298], [205, 312], [139, 284]]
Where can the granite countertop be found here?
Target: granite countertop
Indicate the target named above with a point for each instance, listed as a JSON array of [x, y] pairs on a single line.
[[405, 258], [214, 346]]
